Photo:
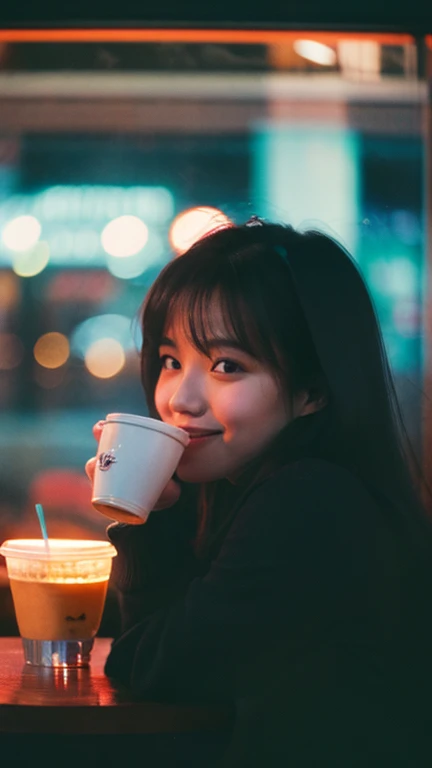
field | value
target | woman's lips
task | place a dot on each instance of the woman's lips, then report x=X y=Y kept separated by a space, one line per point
x=198 y=439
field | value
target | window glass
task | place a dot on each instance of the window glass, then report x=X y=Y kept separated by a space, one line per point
x=116 y=153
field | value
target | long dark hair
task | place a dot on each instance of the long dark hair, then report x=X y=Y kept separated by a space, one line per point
x=297 y=302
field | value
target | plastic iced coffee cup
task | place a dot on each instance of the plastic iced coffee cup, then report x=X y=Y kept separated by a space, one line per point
x=136 y=458
x=59 y=595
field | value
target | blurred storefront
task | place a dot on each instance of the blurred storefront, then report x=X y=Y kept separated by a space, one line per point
x=116 y=153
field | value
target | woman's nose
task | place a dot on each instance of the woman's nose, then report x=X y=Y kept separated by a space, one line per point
x=189 y=397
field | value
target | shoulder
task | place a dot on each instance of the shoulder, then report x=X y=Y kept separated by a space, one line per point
x=312 y=476
x=310 y=491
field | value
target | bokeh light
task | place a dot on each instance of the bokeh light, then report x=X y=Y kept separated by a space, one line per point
x=124 y=236
x=316 y=52
x=398 y=277
x=32 y=262
x=11 y=351
x=51 y=350
x=105 y=358
x=129 y=267
x=21 y=233
x=193 y=224
x=117 y=327
x=9 y=290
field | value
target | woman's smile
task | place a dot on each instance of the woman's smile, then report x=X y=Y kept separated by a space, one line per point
x=198 y=436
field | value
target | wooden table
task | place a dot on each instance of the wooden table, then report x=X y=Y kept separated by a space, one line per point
x=35 y=699
x=70 y=705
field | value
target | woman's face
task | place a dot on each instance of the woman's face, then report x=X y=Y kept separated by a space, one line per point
x=231 y=404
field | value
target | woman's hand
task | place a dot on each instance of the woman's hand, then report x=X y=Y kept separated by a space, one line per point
x=91 y=463
x=169 y=495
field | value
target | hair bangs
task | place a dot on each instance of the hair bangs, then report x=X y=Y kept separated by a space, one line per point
x=210 y=298
x=222 y=312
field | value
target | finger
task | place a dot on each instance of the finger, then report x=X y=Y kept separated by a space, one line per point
x=90 y=468
x=97 y=429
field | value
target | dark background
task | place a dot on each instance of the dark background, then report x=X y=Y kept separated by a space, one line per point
x=414 y=16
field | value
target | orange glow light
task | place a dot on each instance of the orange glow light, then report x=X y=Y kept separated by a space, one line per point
x=232 y=36
x=9 y=290
x=51 y=350
x=193 y=224
x=11 y=351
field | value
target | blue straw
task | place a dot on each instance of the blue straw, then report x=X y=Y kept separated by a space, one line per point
x=41 y=517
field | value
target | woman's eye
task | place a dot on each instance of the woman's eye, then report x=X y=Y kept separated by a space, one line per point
x=227 y=366
x=169 y=363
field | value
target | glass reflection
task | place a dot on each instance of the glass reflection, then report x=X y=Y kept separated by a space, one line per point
x=55 y=686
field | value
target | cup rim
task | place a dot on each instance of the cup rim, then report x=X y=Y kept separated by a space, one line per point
x=59 y=549
x=154 y=424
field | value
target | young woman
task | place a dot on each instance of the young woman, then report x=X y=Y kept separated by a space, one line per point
x=288 y=567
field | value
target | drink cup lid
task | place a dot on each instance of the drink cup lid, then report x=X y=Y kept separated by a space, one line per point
x=59 y=549
x=148 y=423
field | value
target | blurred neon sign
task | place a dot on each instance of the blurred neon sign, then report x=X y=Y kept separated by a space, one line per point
x=72 y=218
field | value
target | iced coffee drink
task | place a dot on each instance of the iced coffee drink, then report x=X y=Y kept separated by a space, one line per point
x=59 y=594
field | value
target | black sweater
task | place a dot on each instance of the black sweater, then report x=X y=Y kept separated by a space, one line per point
x=315 y=611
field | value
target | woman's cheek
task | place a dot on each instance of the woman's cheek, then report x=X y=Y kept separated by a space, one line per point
x=229 y=405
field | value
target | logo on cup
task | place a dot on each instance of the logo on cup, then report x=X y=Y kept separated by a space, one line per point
x=105 y=460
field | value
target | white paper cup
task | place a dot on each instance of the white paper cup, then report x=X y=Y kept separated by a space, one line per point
x=136 y=458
